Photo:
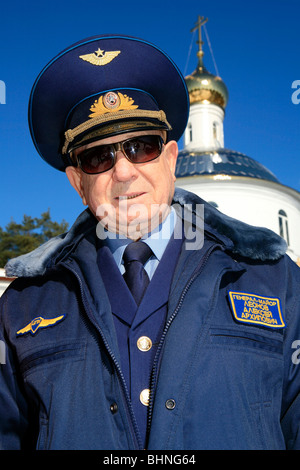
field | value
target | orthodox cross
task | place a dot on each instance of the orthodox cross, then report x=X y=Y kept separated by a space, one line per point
x=201 y=21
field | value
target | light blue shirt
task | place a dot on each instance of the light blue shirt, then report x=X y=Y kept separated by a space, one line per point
x=157 y=240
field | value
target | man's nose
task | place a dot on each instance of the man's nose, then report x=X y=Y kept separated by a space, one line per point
x=124 y=170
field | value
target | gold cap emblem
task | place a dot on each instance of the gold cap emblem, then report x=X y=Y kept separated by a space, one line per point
x=100 y=57
x=111 y=102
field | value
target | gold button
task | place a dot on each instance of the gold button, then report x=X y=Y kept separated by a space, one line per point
x=144 y=396
x=144 y=343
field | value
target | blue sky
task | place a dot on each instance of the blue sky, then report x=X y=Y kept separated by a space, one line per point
x=255 y=46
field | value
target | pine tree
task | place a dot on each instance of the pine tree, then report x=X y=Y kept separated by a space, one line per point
x=18 y=239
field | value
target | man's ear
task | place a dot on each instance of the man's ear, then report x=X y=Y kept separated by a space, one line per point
x=74 y=175
x=171 y=150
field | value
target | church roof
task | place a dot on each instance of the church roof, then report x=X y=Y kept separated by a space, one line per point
x=220 y=162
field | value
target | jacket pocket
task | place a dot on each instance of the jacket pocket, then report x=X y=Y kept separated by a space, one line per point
x=240 y=338
x=65 y=352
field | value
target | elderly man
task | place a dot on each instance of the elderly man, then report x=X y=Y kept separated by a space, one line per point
x=147 y=325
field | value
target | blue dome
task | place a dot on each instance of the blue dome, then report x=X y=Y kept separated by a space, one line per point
x=220 y=161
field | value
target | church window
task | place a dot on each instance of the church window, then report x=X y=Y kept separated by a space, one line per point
x=283 y=226
x=190 y=132
x=215 y=130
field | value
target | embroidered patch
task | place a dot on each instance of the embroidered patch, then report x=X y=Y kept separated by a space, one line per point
x=252 y=308
x=39 y=322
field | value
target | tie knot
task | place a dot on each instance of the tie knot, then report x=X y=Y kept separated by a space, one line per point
x=137 y=251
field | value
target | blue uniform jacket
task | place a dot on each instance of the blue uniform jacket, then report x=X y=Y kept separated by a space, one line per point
x=226 y=374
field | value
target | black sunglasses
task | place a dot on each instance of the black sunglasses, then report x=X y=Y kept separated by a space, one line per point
x=101 y=158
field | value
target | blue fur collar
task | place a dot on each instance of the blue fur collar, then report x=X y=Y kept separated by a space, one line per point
x=239 y=238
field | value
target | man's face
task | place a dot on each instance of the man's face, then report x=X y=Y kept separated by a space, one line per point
x=129 y=198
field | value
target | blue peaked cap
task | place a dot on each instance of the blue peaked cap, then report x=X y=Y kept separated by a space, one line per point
x=103 y=86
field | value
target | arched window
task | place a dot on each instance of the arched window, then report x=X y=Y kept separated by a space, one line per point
x=283 y=226
x=190 y=128
x=215 y=130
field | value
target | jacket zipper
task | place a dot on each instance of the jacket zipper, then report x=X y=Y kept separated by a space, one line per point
x=154 y=374
x=129 y=410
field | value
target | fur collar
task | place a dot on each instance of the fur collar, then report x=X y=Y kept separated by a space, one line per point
x=239 y=238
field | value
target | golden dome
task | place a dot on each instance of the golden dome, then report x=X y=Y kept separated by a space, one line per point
x=204 y=87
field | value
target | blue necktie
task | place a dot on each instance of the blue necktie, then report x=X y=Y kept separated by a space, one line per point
x=135 y=256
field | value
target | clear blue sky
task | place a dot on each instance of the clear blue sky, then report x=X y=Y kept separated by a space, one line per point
x=256 y=47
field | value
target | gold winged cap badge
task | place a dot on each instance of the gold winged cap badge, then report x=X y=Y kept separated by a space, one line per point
x=100 y=57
